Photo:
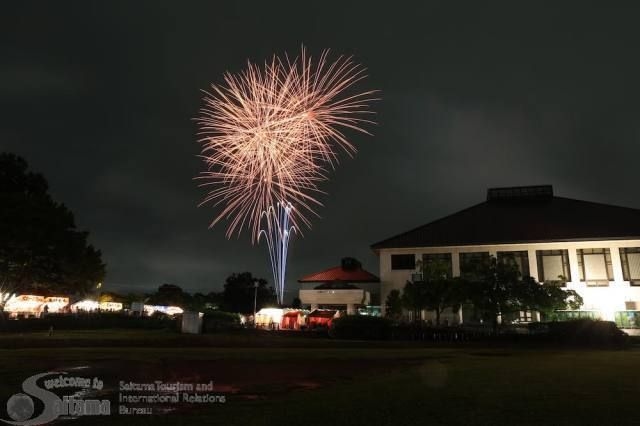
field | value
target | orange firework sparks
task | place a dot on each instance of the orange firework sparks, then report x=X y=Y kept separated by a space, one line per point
x=270 y=133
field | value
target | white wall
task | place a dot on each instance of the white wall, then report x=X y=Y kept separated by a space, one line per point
x=607 y=300
x=334 y=297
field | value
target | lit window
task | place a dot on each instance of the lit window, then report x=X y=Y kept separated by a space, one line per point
x=403 y=261
x=519 y=258
x=471 y=264
x=553 y=266
x=630 y=258
x=525 y=316
x=595 y=266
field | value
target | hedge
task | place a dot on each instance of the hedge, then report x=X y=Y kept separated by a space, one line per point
x=361 y=327
x=585 y=331
x=219 y=321
x=90 y=321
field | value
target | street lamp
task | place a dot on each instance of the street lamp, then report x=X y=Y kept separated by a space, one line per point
x=255 y=301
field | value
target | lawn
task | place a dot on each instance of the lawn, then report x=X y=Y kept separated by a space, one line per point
x=269 y=379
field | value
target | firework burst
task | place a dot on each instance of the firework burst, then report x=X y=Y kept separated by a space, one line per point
x=270 y=134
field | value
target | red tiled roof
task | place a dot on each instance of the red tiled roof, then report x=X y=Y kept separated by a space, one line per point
x=357 y=275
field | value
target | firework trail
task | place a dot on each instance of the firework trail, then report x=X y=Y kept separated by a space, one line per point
x=277 y=232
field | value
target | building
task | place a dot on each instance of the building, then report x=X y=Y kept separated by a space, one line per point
x=589 y=247
x=337 y=289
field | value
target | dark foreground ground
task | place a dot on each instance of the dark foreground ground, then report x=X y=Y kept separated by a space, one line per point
x=290 y=380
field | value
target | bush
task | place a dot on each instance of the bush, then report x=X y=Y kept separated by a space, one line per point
x=361 y=327
x=89 y=321
x=587 y=332
x=219 y=320
x=424 y=332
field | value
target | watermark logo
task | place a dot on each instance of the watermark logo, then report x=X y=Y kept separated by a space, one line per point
x=21 y=406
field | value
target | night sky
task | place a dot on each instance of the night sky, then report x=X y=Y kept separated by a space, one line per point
x=100 y=96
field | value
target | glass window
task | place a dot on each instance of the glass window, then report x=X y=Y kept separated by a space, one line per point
x=572 y=315
x=403 y=261
x=443 y=260
x=628 y=319
x=519 y=258
x=525 y=316
x=472 y=263
x=595 y=266
x=553 y=266
x=630 y=258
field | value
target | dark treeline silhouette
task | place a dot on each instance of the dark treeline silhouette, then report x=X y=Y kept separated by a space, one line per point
x=41 y=250
x=239 y=295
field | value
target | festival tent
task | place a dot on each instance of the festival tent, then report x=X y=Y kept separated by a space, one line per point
x=26 y=305
x=293 y=319
x=85 y=306
x=269 y=317
x=92 y=306
x=321 y=318
x=54 y=305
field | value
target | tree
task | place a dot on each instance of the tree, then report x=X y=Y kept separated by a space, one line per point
x=215 y=300
x=107 y=296
x=442 y=294
x=197 y=302
x=393 y=304
x=498 y=289
x=414 y=298
x=297 y=303
x=548 y=298
x=239 y=291
x=169 y=295
x=440 y=291
x=200 y=302
x=41 y=250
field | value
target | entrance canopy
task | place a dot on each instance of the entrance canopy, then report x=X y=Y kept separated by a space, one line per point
x=349 y=271
x=336 y=286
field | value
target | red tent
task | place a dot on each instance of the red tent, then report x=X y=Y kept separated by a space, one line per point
x=291 y=320
x=320 y=318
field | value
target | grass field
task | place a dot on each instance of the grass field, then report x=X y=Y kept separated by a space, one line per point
x=275 y=380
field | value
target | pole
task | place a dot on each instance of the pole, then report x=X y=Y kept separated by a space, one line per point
x=255 y=301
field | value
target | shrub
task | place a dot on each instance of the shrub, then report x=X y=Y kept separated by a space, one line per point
x=361 y=327
x=219 y=320
x=89 y=321
x=424 y=332
x=587 y=332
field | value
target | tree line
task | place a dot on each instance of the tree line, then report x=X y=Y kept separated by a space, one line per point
x=240 y=292
x=42 y=252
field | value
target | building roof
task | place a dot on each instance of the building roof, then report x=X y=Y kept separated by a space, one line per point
x=523 y=215
x=350 y=271
x=322 y=313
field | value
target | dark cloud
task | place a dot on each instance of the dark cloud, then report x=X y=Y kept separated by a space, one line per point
x=100 y=97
